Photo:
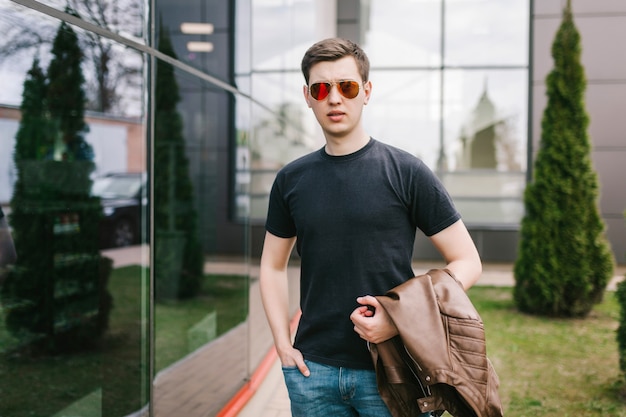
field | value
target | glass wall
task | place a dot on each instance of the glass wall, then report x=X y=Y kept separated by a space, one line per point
x=449 y=86
x=139 y=144
x=131 y=290
x=281 y=128
x=74 y=311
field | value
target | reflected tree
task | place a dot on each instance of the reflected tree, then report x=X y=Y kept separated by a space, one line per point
x=179 y=258
x=66 y=97
x=56 y=297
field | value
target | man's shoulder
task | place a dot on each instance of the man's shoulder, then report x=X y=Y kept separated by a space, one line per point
x=301 y=162
x=396 y=154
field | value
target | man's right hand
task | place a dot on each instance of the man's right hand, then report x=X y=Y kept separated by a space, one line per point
x=293 y=357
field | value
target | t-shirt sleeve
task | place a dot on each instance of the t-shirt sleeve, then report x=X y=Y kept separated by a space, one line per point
x=432 y=207
x=279 y=220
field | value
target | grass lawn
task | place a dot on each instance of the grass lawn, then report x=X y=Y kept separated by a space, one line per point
x=547 y=367
x=553 y=367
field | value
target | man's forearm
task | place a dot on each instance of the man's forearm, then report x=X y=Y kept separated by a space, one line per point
x=275 y=297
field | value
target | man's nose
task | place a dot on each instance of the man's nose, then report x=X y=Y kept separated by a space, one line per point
x=334 y=96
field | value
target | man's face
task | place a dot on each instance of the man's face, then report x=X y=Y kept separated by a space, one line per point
x=337 y=115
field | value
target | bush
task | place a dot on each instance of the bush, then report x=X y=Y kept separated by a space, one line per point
x=621 y=330
x=564 y=261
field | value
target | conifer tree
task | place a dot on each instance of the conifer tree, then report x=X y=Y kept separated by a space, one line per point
x=179 y=253
x=564 y=261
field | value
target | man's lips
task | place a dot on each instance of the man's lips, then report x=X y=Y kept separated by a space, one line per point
x=335 y=116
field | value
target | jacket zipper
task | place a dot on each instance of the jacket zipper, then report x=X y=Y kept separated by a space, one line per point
x=425 y=390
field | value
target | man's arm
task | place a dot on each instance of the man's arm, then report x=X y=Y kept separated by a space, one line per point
x=456 y=246
x=461 y=256
x=273 y=282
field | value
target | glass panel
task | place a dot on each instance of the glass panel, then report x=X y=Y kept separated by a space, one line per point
x=404 y=111
x=74 y=306
x=282 y=131
x=198 y=32
x=282 y=30
x=109 y=68
x=483 y=101
x=201 y=346
x=126 y=18
x=486 y=32
x=485 y=117
x=404 y=33
x=282 y=127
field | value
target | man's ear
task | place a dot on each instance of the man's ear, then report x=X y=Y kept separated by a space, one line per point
x=367 y=88
x=307 y=97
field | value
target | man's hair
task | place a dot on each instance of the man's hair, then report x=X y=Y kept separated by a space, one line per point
x=333 y=49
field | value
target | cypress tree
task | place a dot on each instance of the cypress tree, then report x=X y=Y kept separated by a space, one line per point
x=179 y=258
x=564 y=261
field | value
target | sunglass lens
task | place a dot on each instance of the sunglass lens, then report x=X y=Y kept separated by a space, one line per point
x=349 y=89
x=319 y=91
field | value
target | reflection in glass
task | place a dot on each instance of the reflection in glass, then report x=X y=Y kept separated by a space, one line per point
x=113 y=73
x=404 y=111
x=403 y=33
x=281 y=33
x=486 y=32
x=72 y=320
x=201 y=344
x=485 y=106
x=485 y=131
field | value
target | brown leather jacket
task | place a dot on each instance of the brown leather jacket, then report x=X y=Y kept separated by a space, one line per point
x=439 y=360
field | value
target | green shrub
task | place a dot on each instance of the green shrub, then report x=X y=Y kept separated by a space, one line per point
x=564 y=261
x=621 y=330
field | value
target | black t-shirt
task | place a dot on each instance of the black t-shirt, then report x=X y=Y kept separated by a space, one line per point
x=1 y=213
x=355 y=218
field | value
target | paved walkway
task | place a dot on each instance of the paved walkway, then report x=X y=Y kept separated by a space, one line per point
x=184 y=389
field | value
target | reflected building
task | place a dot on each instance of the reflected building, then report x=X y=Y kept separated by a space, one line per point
x=487 y=140
x=479 y=138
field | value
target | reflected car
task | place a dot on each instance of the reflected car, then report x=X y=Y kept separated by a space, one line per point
x=123 y=195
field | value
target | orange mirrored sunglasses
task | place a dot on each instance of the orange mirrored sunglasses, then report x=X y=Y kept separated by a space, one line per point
x=347 y=88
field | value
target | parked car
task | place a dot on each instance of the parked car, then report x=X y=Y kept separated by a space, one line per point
x=123 y=197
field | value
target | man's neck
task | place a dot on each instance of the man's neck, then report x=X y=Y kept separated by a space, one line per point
x=346 y=145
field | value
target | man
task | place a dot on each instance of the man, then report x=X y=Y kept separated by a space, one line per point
x=7 y=249
x=352 y=209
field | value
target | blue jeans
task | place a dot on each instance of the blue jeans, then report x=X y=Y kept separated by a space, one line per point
x=337 y=392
